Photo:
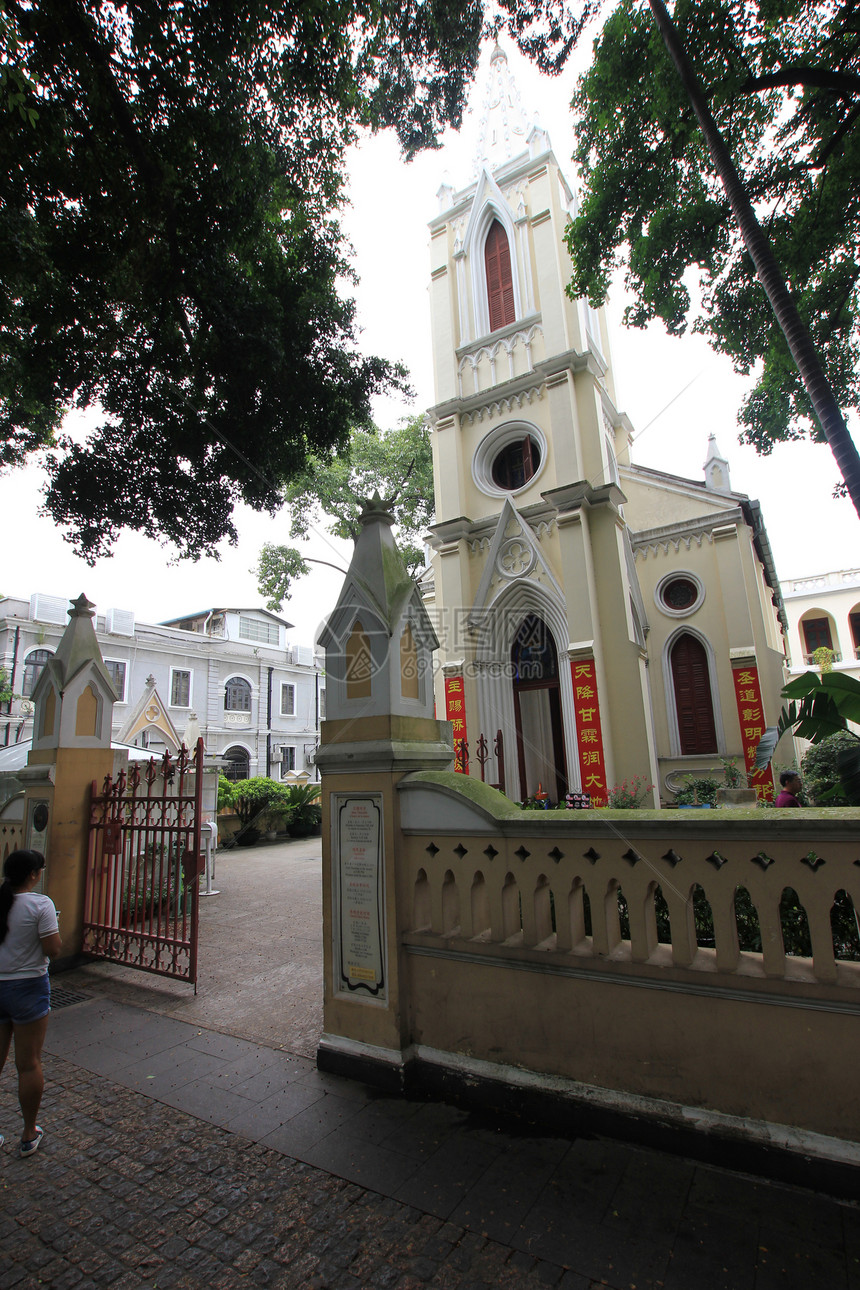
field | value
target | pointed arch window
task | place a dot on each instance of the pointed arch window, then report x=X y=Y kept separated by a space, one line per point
x=694 y=706
x=500 y=283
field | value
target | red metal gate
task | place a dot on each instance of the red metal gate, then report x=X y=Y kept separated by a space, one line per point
x=142 y=903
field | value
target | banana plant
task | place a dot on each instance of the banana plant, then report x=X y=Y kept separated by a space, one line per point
x=819 y=705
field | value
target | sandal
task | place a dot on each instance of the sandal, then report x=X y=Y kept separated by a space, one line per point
x=31 y=1146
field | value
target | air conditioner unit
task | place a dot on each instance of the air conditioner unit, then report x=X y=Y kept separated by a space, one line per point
x=277 y=755
x=119 y=622
x=303 y=655
x=310 y=754
x=49 y=609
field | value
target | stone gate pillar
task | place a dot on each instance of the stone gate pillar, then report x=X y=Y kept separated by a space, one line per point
x=74 y=699
x=379 y=647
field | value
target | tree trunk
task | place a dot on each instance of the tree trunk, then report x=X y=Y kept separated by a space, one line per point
x=770 y=276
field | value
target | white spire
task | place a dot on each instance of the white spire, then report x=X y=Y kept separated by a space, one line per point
x=503 y=129
x=716 y=468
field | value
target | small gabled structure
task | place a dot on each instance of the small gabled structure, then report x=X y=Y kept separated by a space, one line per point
x=74 y=698
x=74 y=694
x=378 y=640
x=150 y=714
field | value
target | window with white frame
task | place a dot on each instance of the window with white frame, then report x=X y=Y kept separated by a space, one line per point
x=237 y=695
x=33 y=664
x=116 y=669
x=180 y=687
x=288 y=699
x=288 y=760
x=322 y=704
x=255 y=629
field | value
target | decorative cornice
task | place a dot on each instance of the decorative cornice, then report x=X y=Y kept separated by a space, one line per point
x=573 y=497
x=673 y=536
x=507 y=395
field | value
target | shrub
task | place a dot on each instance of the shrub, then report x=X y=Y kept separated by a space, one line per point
x=733 y=776
x=629 y=794
x=253 y=799
x=697 y=791
x=302 y=803
x=820 y=769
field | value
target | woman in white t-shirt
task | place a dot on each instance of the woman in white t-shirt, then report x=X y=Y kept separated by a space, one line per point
x=29 y=937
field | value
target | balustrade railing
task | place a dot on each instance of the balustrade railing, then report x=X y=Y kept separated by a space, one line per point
x=743 y=899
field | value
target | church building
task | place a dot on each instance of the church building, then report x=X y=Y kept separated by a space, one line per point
x=607 y=620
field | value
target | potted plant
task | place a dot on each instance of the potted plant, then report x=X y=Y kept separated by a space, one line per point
x=302 y=800
x=736 y=791
x=698 y=791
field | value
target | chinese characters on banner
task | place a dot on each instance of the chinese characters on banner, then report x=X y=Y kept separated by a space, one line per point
x=589 y=738
x=455 y=712
x=751 y=718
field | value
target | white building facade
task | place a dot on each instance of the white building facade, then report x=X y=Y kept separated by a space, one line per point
x=824 y=611
x=228 y=674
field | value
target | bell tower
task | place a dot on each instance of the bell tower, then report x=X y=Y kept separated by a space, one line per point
x=537 y=604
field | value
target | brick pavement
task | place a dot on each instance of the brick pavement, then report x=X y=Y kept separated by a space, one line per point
x=129 y=1193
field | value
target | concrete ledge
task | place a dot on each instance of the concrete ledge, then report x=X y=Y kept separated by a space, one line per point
x=381 y=1068
x=564 y=1109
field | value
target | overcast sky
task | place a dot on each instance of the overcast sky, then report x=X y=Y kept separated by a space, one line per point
x=391 y=205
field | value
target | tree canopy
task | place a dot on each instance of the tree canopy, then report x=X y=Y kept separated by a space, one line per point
x=170 y=177
x=783 y=83
x=397 y=464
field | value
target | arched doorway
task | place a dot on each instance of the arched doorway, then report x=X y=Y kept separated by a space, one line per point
x=537 y=709
x=237 y=763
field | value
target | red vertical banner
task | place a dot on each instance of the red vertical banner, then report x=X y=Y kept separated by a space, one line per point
x=589 y=737
x=455 y=712
x=751 y=718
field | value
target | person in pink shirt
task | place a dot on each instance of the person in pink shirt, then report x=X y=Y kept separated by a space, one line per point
x=791 y=785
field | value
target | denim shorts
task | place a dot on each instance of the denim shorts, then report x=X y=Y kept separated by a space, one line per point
x=26 y=999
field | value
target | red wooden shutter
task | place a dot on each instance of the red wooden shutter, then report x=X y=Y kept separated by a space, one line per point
x=500 y=285
x=816 y=632
x=693 y=704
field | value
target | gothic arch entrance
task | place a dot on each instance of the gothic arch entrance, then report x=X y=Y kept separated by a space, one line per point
x=537 y=710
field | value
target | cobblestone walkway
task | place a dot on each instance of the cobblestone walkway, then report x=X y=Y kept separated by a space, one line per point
x=131 y=1194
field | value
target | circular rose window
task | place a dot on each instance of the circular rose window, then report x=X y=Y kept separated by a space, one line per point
x=509 y=458
x=679 y=594
x=516 y=464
